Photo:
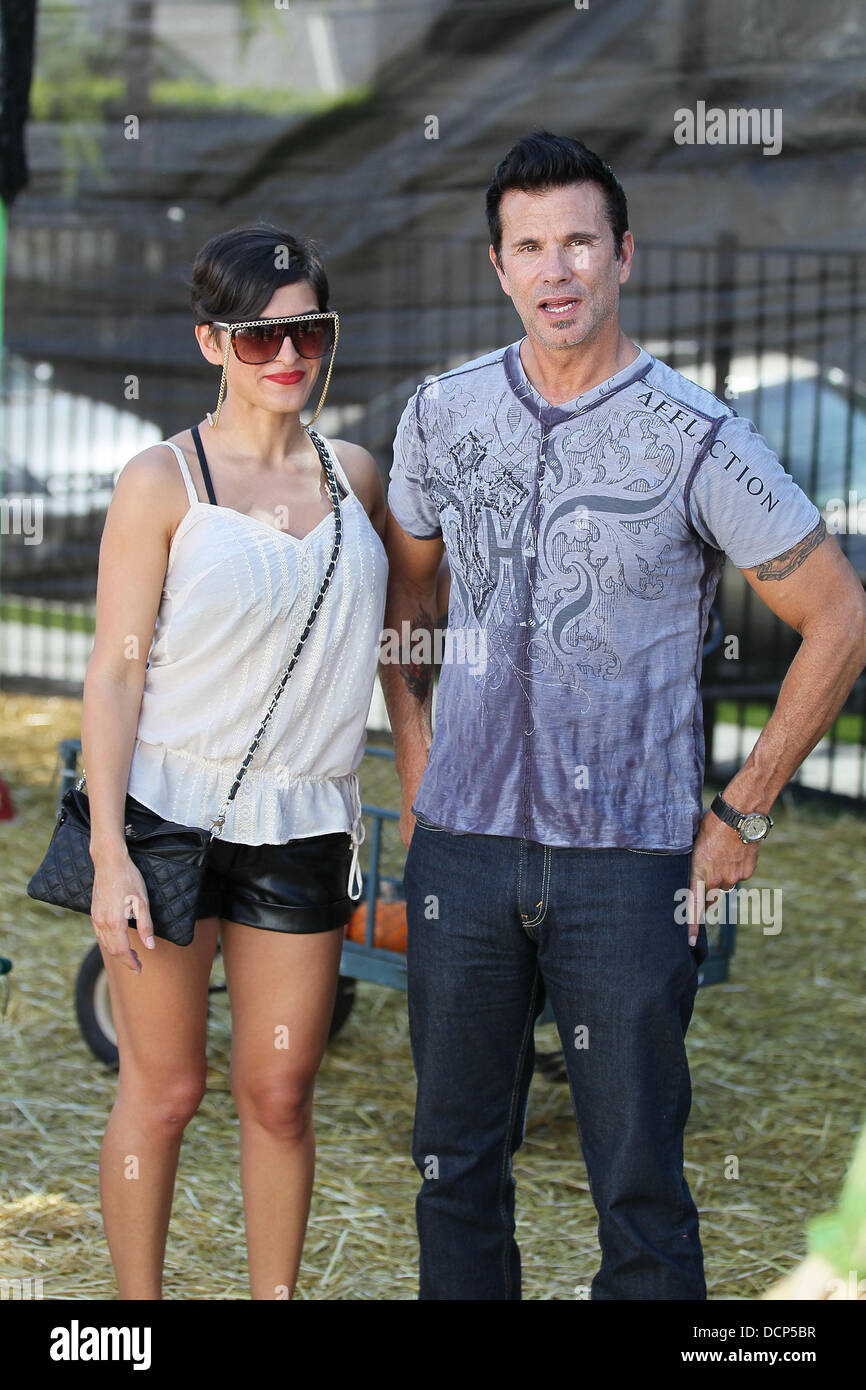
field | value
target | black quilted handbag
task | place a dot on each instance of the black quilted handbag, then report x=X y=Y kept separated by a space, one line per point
x=170 y=858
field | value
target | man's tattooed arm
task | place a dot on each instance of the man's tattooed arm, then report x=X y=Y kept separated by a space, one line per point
x=821 y=597
x=418 y=675
x=407 y=675
x=783 y=565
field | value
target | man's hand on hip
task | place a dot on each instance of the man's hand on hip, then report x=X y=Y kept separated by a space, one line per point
x=720 y=860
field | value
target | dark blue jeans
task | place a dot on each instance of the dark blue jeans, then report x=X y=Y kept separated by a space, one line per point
x=493 y=924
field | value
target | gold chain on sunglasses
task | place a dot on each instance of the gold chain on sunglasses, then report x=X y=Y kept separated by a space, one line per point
x=259 y=323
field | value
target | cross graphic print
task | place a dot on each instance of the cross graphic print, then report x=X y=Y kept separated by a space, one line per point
x=469 y=489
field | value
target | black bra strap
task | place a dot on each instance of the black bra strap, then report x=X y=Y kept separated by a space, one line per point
x=196 y=437
x=205 y=471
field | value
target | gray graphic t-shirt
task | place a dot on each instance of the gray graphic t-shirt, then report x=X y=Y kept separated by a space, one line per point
x=585 y=543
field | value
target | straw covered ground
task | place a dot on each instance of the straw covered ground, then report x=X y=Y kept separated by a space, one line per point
x=776 y=1057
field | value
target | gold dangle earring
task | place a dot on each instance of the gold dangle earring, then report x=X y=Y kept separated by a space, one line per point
x=213 y=419
x=330 y=369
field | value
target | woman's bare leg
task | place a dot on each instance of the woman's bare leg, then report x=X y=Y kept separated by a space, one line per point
x=282 y=989
x=160 y=1016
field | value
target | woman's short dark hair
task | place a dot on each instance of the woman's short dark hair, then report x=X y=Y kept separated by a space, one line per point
x=236 y=273
x=541 y=161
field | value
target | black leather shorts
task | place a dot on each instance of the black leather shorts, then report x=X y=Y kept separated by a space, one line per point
x=296 y=887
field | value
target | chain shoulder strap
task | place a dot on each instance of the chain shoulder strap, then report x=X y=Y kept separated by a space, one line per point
x=217 y=823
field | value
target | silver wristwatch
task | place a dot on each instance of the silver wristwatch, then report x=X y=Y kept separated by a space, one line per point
x=751 y=826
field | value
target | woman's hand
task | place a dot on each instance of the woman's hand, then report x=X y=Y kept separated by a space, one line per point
x=118 y=894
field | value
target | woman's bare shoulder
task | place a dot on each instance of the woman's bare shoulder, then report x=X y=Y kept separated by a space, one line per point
x=155 y=464
x=151 y=485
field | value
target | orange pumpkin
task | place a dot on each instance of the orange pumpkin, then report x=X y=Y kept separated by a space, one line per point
x=390 y=925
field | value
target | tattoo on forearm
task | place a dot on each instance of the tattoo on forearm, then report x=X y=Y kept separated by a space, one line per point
x=418 y=675
x=783 y=565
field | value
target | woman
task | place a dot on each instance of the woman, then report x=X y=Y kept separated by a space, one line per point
x=227 y=560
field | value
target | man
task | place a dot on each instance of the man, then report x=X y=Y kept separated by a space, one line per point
x=586 y=495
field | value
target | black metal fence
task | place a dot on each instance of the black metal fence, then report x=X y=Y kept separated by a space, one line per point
x=779 y=333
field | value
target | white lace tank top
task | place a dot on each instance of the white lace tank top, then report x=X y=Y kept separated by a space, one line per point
x=236 y=597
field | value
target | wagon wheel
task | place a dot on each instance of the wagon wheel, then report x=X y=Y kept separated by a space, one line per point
x=93 y=1008
x=343 y=1004
x=5 y=967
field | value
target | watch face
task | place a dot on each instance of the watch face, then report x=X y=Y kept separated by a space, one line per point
x=754 y=827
